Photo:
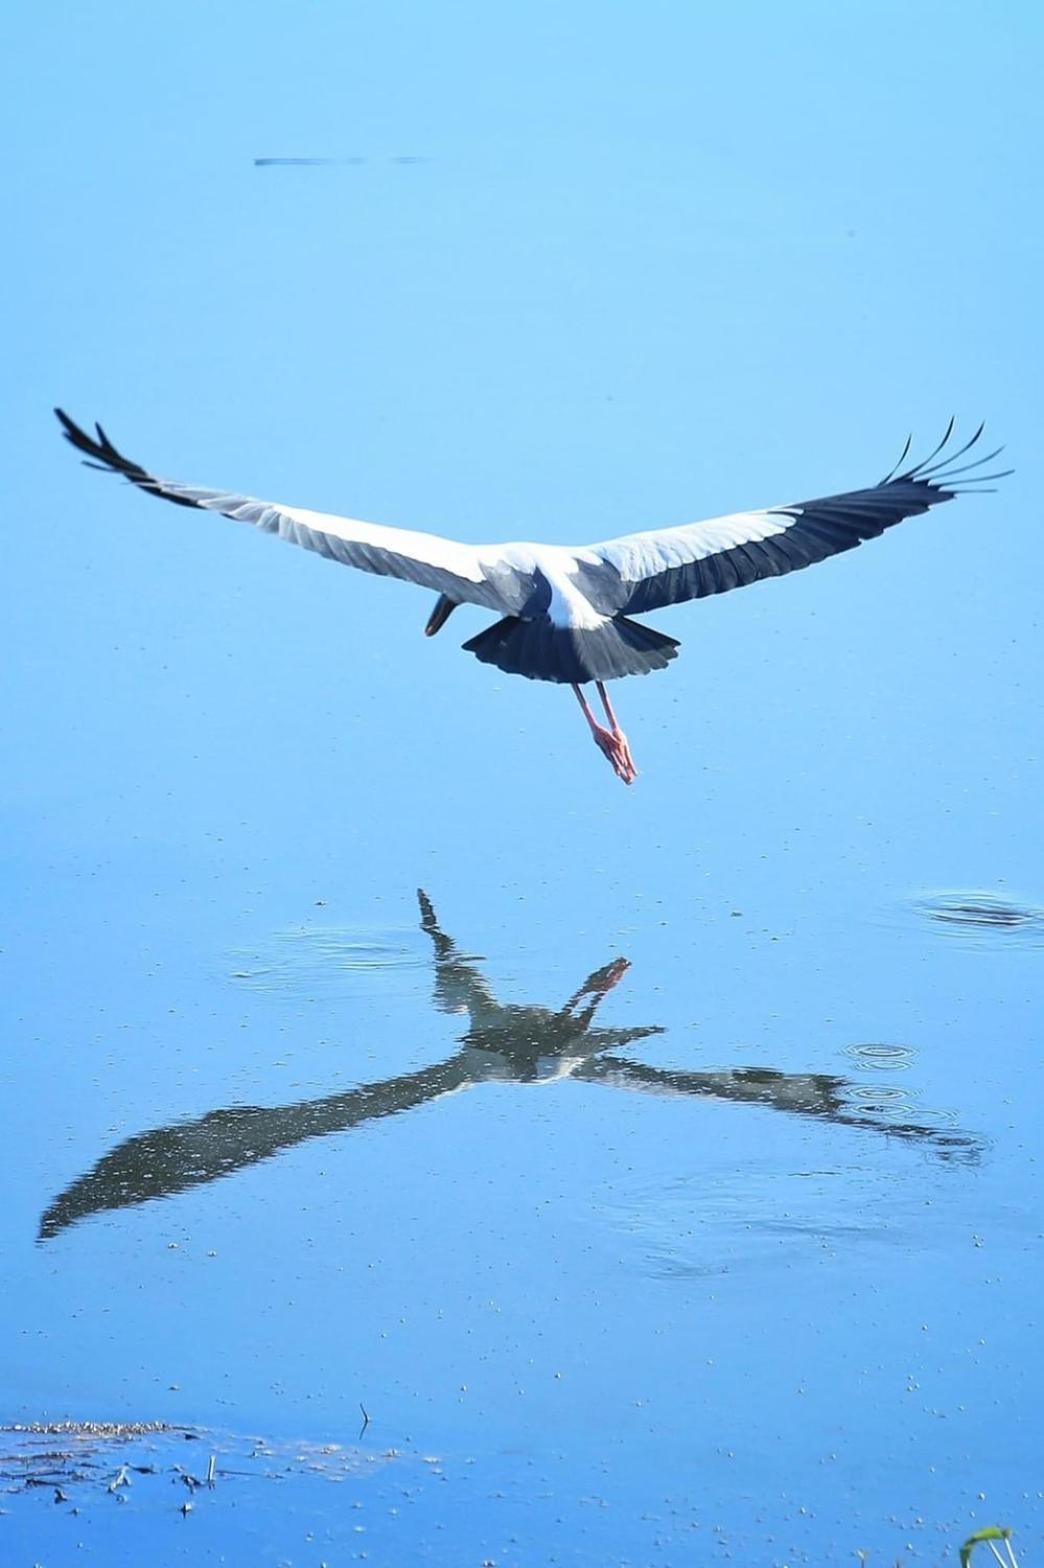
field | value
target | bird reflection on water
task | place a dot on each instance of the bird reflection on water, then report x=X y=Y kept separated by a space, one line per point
x=503 y=1042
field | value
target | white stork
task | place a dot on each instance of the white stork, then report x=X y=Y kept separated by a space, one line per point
x=566 y=609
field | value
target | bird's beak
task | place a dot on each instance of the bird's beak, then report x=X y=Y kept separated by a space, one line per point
x=444 y=608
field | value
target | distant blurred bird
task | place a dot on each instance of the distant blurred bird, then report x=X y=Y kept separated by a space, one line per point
x=566 y=608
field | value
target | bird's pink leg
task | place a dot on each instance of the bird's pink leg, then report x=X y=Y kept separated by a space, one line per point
x=614 y=725
x=612 y=743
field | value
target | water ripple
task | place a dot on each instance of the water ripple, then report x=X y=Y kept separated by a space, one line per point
x=984 y=916
x=306 y=961
x=881 y=1058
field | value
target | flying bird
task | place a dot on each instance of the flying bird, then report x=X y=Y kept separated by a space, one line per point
x=567 y=610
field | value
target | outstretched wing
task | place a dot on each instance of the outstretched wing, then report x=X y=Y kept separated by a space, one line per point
x=646 y=571
x=442 y=564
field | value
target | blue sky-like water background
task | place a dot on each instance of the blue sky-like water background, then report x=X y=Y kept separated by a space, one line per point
x=746 y=1260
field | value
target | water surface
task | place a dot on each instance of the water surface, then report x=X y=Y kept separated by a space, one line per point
x=663 y=1181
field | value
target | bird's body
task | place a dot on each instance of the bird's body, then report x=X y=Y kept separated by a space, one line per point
x=566 y=611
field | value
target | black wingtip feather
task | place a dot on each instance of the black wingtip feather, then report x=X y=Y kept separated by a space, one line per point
x=924 y=471
x=72 y=432
x=968 y=486
x=935 y=475
x=900 y=461
x=965 y=468
x=100 y=449
x=917 y=467
x=101 y=454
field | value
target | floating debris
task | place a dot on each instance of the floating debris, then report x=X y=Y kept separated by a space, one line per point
x=110 y=1431
x=77 y=1460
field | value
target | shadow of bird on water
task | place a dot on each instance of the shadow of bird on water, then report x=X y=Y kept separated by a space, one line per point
x=503 y=1042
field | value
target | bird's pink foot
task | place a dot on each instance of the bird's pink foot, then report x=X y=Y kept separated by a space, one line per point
x=613 y=744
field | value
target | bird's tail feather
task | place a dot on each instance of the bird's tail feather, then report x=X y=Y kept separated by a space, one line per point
x=544 y=652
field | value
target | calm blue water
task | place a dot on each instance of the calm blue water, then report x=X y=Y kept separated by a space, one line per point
x=664 y=1182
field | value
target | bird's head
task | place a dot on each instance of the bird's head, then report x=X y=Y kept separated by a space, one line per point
x=444 y=608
